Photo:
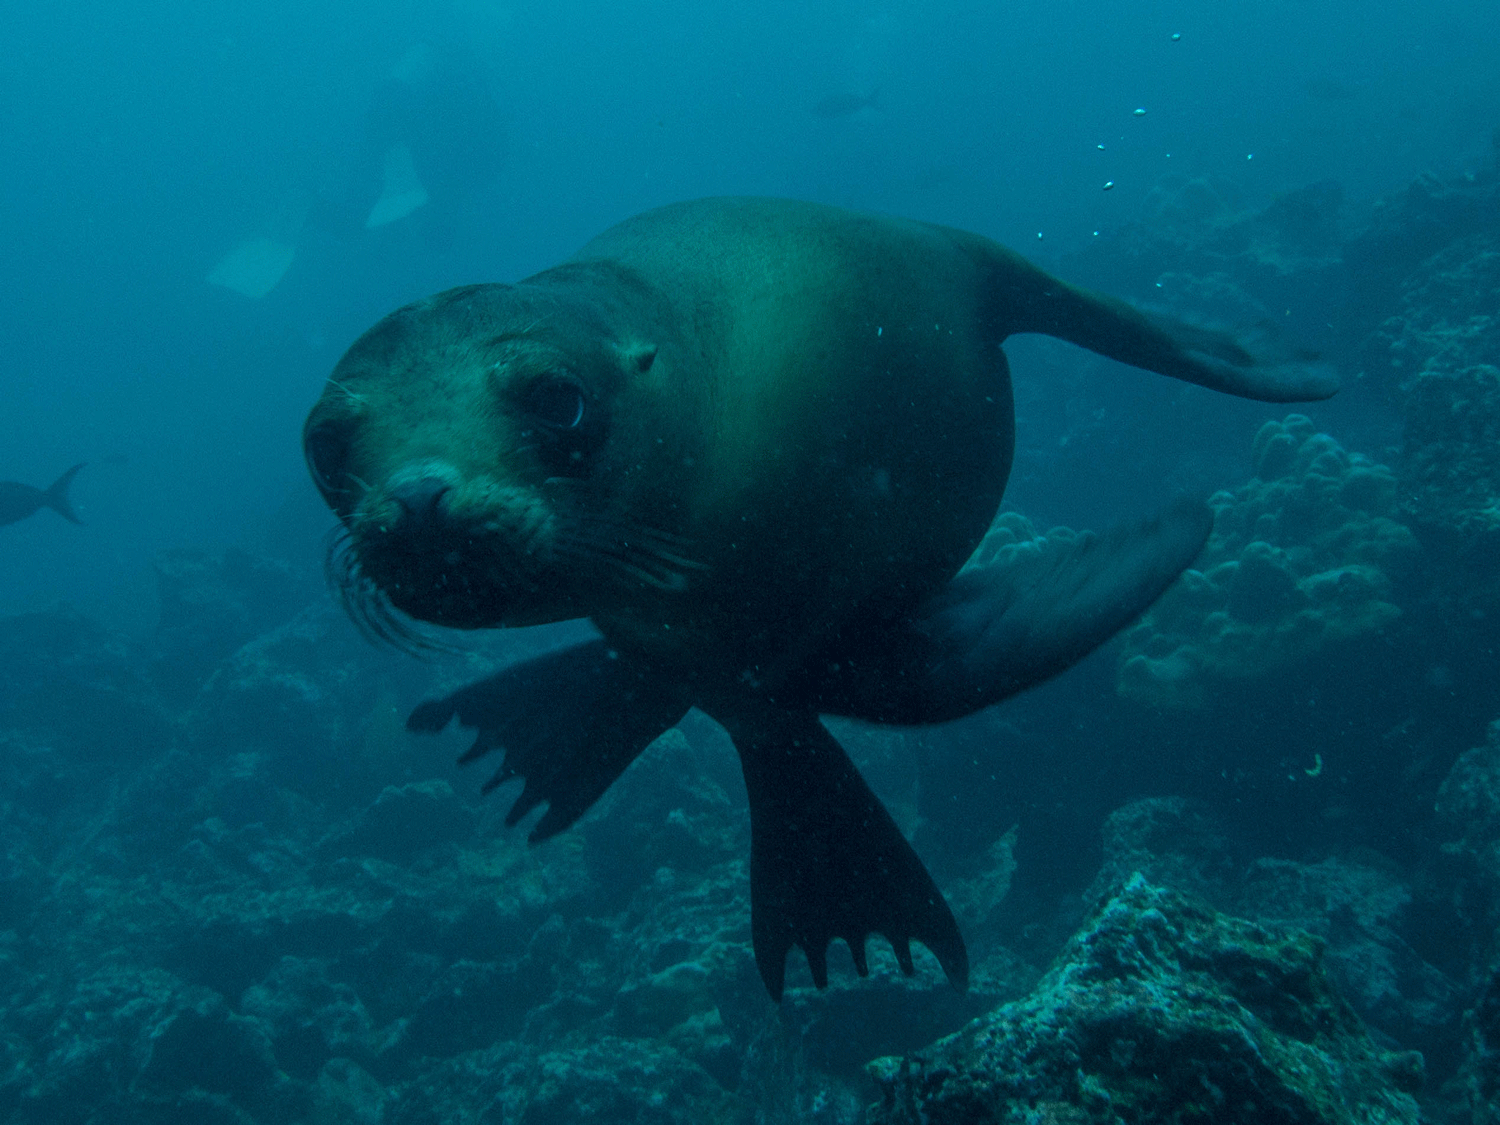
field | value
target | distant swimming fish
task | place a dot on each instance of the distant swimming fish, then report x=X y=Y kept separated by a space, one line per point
x=845 y=105
x=17 y=501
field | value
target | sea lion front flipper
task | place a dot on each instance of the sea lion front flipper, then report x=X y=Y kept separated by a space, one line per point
x=1003 y=626
x=568 y=722
x=826 y=859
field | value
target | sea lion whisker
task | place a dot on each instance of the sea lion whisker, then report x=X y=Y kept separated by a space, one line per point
x=352 y=396
x=367 y=605
x=627 y=552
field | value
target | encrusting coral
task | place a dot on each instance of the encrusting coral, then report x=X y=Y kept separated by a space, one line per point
x=1305 y=555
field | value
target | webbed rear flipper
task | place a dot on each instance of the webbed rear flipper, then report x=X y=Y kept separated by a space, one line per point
x=1022 y=298
x=568 y=722
x=826 y=859
x=1001 y=627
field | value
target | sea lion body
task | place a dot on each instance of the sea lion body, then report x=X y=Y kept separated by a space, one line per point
x=840 y=435
x=754 y=441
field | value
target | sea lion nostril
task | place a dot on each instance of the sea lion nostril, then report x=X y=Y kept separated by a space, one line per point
x=421 y=499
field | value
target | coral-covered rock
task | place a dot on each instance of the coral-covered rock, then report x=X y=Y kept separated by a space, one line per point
x=213 y=603
x=1359 y=907
x=133 y=1044
x=587 y=1078
x=73 y=684
x=1450 y=480
x=1468 y=807
x=1447 y=320
x=1479 y=1079
x=1161 y=1010
x=1200 y=249
x=1306 y=555
x=1469 y=801
x=402 y=823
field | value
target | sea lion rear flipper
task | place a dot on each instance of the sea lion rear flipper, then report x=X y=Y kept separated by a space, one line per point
x=826 y=859
x=1022 y=298
x=568 y=722
x=1001 y=627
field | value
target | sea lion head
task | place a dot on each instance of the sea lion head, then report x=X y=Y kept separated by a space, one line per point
x=471 y=444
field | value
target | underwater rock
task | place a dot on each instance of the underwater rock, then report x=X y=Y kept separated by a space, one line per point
x=1308 y=554
x=1479 y=1079
x=140 y=1045
x=1359 y=909
x=309 y=703
x=1450 y=464
x=204 y=1046
x=1468 y=809
x=210 y=604
x=1200 y=230
x=1160 y=1009
x=404 y=822
x=1445 y=320
x=583 y=1078
x=1438 y=357
x=1411 y=226
x=345 y=1094
x=1468 y=803
x=1450 y=484
x=309 y=1018
x=1171 y=842
x=71 y=684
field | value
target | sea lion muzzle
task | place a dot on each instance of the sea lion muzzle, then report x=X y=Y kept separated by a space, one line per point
x=420 y=505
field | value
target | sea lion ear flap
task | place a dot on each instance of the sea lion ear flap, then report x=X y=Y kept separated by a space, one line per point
x=638 y=357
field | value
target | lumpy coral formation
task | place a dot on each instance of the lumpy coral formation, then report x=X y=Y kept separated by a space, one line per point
x=1232 y=1021
x=1307 y=554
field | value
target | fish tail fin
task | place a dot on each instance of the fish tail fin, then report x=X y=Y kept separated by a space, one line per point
x=56 y=497
x=1023 y=298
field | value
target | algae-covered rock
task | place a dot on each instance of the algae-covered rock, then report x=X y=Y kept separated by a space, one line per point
x=1468 y=808
x=1447 y=319
x=403 y=822
x=1306 y=555
x=1160 y=1009
x=587 y=1078
x=142 y=1045
x=1450 y=458
x=1479 y=1078
x=1442 y=350
x=1357 y=904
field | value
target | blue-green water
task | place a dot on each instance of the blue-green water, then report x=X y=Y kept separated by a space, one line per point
x=212 y=907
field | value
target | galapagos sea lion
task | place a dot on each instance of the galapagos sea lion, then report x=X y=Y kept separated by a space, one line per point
x=17 y=500
x=754 y=441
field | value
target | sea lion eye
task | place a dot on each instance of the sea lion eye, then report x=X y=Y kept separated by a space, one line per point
x=556 y=401
x=327 y=453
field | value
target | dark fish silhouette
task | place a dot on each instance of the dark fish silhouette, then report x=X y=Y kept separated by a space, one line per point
x=845 y=105
x=17 y=500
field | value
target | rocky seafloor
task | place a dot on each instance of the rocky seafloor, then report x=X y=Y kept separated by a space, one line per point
x=1243 y=865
